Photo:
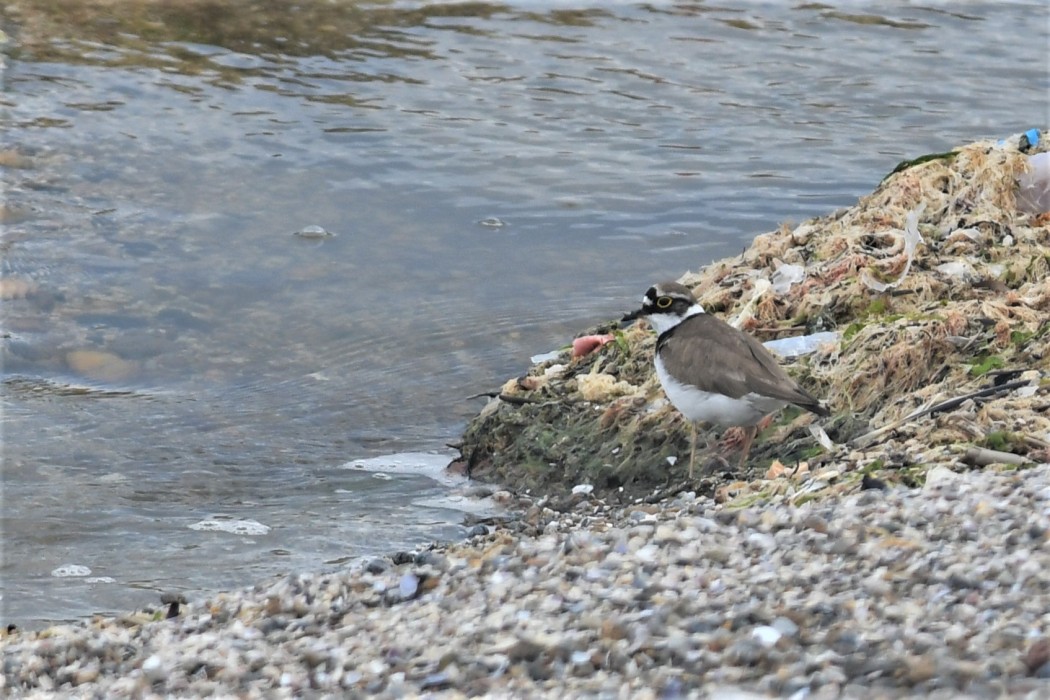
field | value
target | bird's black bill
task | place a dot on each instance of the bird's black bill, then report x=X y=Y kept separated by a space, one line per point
x=633 y=316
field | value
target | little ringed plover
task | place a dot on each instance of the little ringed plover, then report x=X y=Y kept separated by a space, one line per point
x=712 y=372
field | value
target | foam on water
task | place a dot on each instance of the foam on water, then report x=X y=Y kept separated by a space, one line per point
x=429 y=464
x=71 y=571
x=236 y=527
x=432 y=466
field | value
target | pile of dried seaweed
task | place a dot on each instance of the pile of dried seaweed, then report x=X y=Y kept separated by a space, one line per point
x=938 y=288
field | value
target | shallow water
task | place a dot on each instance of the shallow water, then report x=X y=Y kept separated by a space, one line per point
x=496 y=177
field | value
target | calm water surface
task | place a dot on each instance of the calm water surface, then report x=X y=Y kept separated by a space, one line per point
x=185 y=380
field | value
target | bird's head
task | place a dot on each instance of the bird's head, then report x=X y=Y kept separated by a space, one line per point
x=666 y=305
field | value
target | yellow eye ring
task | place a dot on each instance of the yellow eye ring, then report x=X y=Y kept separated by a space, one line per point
x=663 y=302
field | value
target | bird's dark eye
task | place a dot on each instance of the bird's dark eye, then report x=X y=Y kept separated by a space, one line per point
x=663 y=302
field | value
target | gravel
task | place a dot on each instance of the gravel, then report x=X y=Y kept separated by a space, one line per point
x=940 y=592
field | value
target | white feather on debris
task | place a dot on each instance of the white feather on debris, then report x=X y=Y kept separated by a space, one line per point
x=912 y=239
x=761 y=287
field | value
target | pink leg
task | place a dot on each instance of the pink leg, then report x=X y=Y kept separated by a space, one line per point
x=734 y=438
x=692 y=453
x=749 y=437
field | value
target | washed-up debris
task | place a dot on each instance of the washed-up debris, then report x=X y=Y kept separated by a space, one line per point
x=799 y=345
x=1033 y=187
x=587 y=344
x=821 y=436
x=921 y=351
x=545 y=357
x=786 y=276
x=1028 y=140
x=745 y=319
x=960 y=270
x=912 y=238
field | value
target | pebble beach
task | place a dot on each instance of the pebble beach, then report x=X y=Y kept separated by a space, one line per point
x=939 y=591
x=246 y=242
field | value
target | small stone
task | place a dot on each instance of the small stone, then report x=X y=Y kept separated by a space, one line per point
x=786 y=627
x=85 y=675
x=539 y=670
x=1037 y=655
x=432 y=559
x=717 y=554
x=407 y=586
x=580 y=657
x=744 y=652
x=816 y=523
x=918 y=669
x=939 y=478
x=479 y=491
x=436 y=681
x=376 y=566
x=762 y=540
x=870 y=483
x=666 y=534
x=612 y=629
x=528 y=647
x=502 y=497
x=153 y=669
x=767 y=636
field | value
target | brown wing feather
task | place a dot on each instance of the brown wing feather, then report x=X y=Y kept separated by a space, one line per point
x=722 y=353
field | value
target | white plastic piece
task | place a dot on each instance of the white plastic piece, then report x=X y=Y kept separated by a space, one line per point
x=801 y=344
x=787 y=275
x=959 y=269
x=1033 y=188
x=821 y=436
x=544 y=357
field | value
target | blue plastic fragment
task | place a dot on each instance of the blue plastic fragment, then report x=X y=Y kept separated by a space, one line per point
x=1027 y=141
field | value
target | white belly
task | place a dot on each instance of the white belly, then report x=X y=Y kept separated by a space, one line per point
x=721 y=410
